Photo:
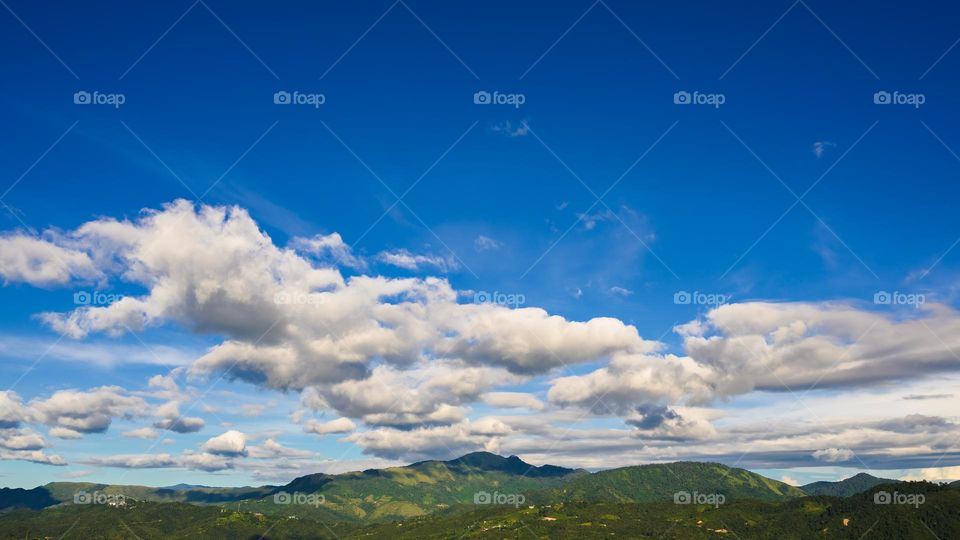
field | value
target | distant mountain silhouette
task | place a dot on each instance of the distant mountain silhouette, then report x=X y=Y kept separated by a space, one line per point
x=857 y=483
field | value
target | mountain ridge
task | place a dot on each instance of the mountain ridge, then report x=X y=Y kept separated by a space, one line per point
x=853 y=485
x=430 y=486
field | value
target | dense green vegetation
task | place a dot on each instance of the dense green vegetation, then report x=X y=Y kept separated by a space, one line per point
x=650 y=483
x=436 y=499
x=803 y=518
x=844 y=488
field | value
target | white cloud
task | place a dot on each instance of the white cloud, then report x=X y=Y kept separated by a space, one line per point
x=170 y=419
x=134 y=461
x=934 y=474
x=229 y=443
x=12 y=410
x=485 y=243
x=507 y=128
x=430 y=442
x=271 y=449
x=64 y=433
x=141 y=433
x=340 y=425
x=212 y=270
x=21 y=439
x=833 y=455
x=33 y=456
x=42 y=262
x=508 y=400
x=87 y=411
x=620 y=291
x=409 y=261
x=329 y=248
x=820 y=147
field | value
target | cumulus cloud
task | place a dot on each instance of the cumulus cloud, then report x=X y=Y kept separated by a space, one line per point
x=286 y=318
x=230 y=443
x=170 y=419
x=89 y=411
x=663 y=423
x=12 y=410
x=212 y=270
x=934 y=474
x=21 y=439
x=64 y=433
x=513 y=400
x=329 y=248
x=340 y=425
x=43 y=262
x=431 y=442
x=430 y=394
x=740 y=348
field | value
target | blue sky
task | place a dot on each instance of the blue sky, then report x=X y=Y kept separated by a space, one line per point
x=695 y=198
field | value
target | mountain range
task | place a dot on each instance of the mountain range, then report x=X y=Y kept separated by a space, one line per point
x=433 y=492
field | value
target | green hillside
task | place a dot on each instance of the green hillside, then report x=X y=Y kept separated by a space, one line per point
x=853 y=518
x=651 y=483
x=65 y=491
x=847 y=487
x=414 y=490
x=845 y=518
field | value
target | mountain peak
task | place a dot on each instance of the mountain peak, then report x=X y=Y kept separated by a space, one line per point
x=488 y=461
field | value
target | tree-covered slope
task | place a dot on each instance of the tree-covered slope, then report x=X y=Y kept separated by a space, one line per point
x=851 y=518
x=847 y=487
x=662 y=482
x=413 y=490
